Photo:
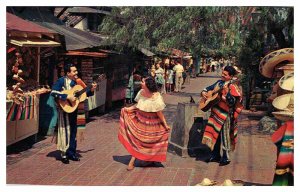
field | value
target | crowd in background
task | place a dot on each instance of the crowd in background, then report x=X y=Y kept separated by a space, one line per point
x=171 y=75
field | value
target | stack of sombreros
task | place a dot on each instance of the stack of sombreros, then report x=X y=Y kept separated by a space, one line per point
x=227 y=182
x=285 y=103
x=275 y=65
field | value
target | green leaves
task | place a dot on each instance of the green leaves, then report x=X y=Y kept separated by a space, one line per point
x=215 y=30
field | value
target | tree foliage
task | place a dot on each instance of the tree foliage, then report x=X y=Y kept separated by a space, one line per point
x=212 y=31
x=199 y=30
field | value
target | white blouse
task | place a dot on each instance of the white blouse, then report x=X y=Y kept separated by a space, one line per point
x=153 y=104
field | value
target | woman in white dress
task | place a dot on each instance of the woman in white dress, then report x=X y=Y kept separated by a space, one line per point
x=144 y=131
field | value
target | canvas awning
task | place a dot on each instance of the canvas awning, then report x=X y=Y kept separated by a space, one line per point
x=74 y=39
x=82 y=53
x=17 y=24
x=145 y=51
x=30 y=42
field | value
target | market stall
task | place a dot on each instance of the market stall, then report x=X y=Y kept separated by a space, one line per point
x=24 y=42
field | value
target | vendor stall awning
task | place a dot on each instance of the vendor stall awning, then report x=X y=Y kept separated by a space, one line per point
x=27 y=42
x=146 y=52
x=15 y=23
x=82 y=53
x=75 y=39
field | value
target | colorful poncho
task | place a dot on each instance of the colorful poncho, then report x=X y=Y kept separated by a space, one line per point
x=283 y=138
x=219 y=114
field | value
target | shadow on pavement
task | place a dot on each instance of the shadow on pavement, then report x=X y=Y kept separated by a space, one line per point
x=55 y=154
x=122 y=159
x=254 y=184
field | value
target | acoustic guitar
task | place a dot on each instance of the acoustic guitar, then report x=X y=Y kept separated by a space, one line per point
x=213 y=97
x=79 y=93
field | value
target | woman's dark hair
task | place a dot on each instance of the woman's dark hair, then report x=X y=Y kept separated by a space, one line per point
x=231 y=70
x=67 y=67
x=151 y=84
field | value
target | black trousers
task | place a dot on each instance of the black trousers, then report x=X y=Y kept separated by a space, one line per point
x=73 y=132
x=216 y=151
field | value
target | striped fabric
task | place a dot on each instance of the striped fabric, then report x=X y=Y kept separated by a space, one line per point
x=219 y=114
x=143 y=135
x=81 y=119
x=284 y=173
x=23 y=111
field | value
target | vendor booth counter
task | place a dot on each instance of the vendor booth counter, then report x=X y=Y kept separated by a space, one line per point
x=22 y=121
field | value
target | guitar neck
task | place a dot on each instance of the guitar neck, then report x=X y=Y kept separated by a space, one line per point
x=99 y=79
x=83 y=90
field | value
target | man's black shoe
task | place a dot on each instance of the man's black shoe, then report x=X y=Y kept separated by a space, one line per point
x=214 y=159
x=65 y=161
x=224 y=161
x=74 y=158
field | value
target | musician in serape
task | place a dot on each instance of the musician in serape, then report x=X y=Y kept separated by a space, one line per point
x=143 y=130
x=221 y=128
x=67 y=122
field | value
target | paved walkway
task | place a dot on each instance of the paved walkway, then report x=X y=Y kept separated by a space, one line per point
x=104 y=159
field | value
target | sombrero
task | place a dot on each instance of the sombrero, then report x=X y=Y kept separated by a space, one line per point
x=228 y=182
x=284 y=102
x=286 y=68
x=268 y=63
x=284 y=115
x=206 y=182
x=286 y=82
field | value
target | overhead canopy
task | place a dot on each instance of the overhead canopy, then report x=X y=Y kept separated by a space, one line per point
x=82 y=53
x=74 y=38
x=17 y=24
x=28 y=34
x=179 y=53
x=146 y=52
x=87 y=10
x=30 y=42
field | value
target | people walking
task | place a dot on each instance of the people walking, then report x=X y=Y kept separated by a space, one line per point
x=170 y=76
x=143 y=130
x=159 y=78
x=178 y=69
x=221 y=130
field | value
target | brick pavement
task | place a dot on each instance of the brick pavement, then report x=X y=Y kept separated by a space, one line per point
x=104 y=159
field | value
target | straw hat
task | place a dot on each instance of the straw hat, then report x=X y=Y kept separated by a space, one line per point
x=228 y=182
x=287 y=68
x=284 y=102
x=268 y=63
x=284 y=115
x=286 y=82
x=206 y=182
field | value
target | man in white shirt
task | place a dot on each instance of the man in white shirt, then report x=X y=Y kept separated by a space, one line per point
x=178 y=69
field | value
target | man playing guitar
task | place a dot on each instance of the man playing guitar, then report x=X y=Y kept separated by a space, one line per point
x=67 y=122
x=221 y=129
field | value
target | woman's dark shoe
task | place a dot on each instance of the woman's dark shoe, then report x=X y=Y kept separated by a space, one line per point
x=224 y=161
x=65 y=160
x=213 y=158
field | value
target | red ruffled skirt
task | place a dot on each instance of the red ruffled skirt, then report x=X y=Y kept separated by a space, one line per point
x=143 y=135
